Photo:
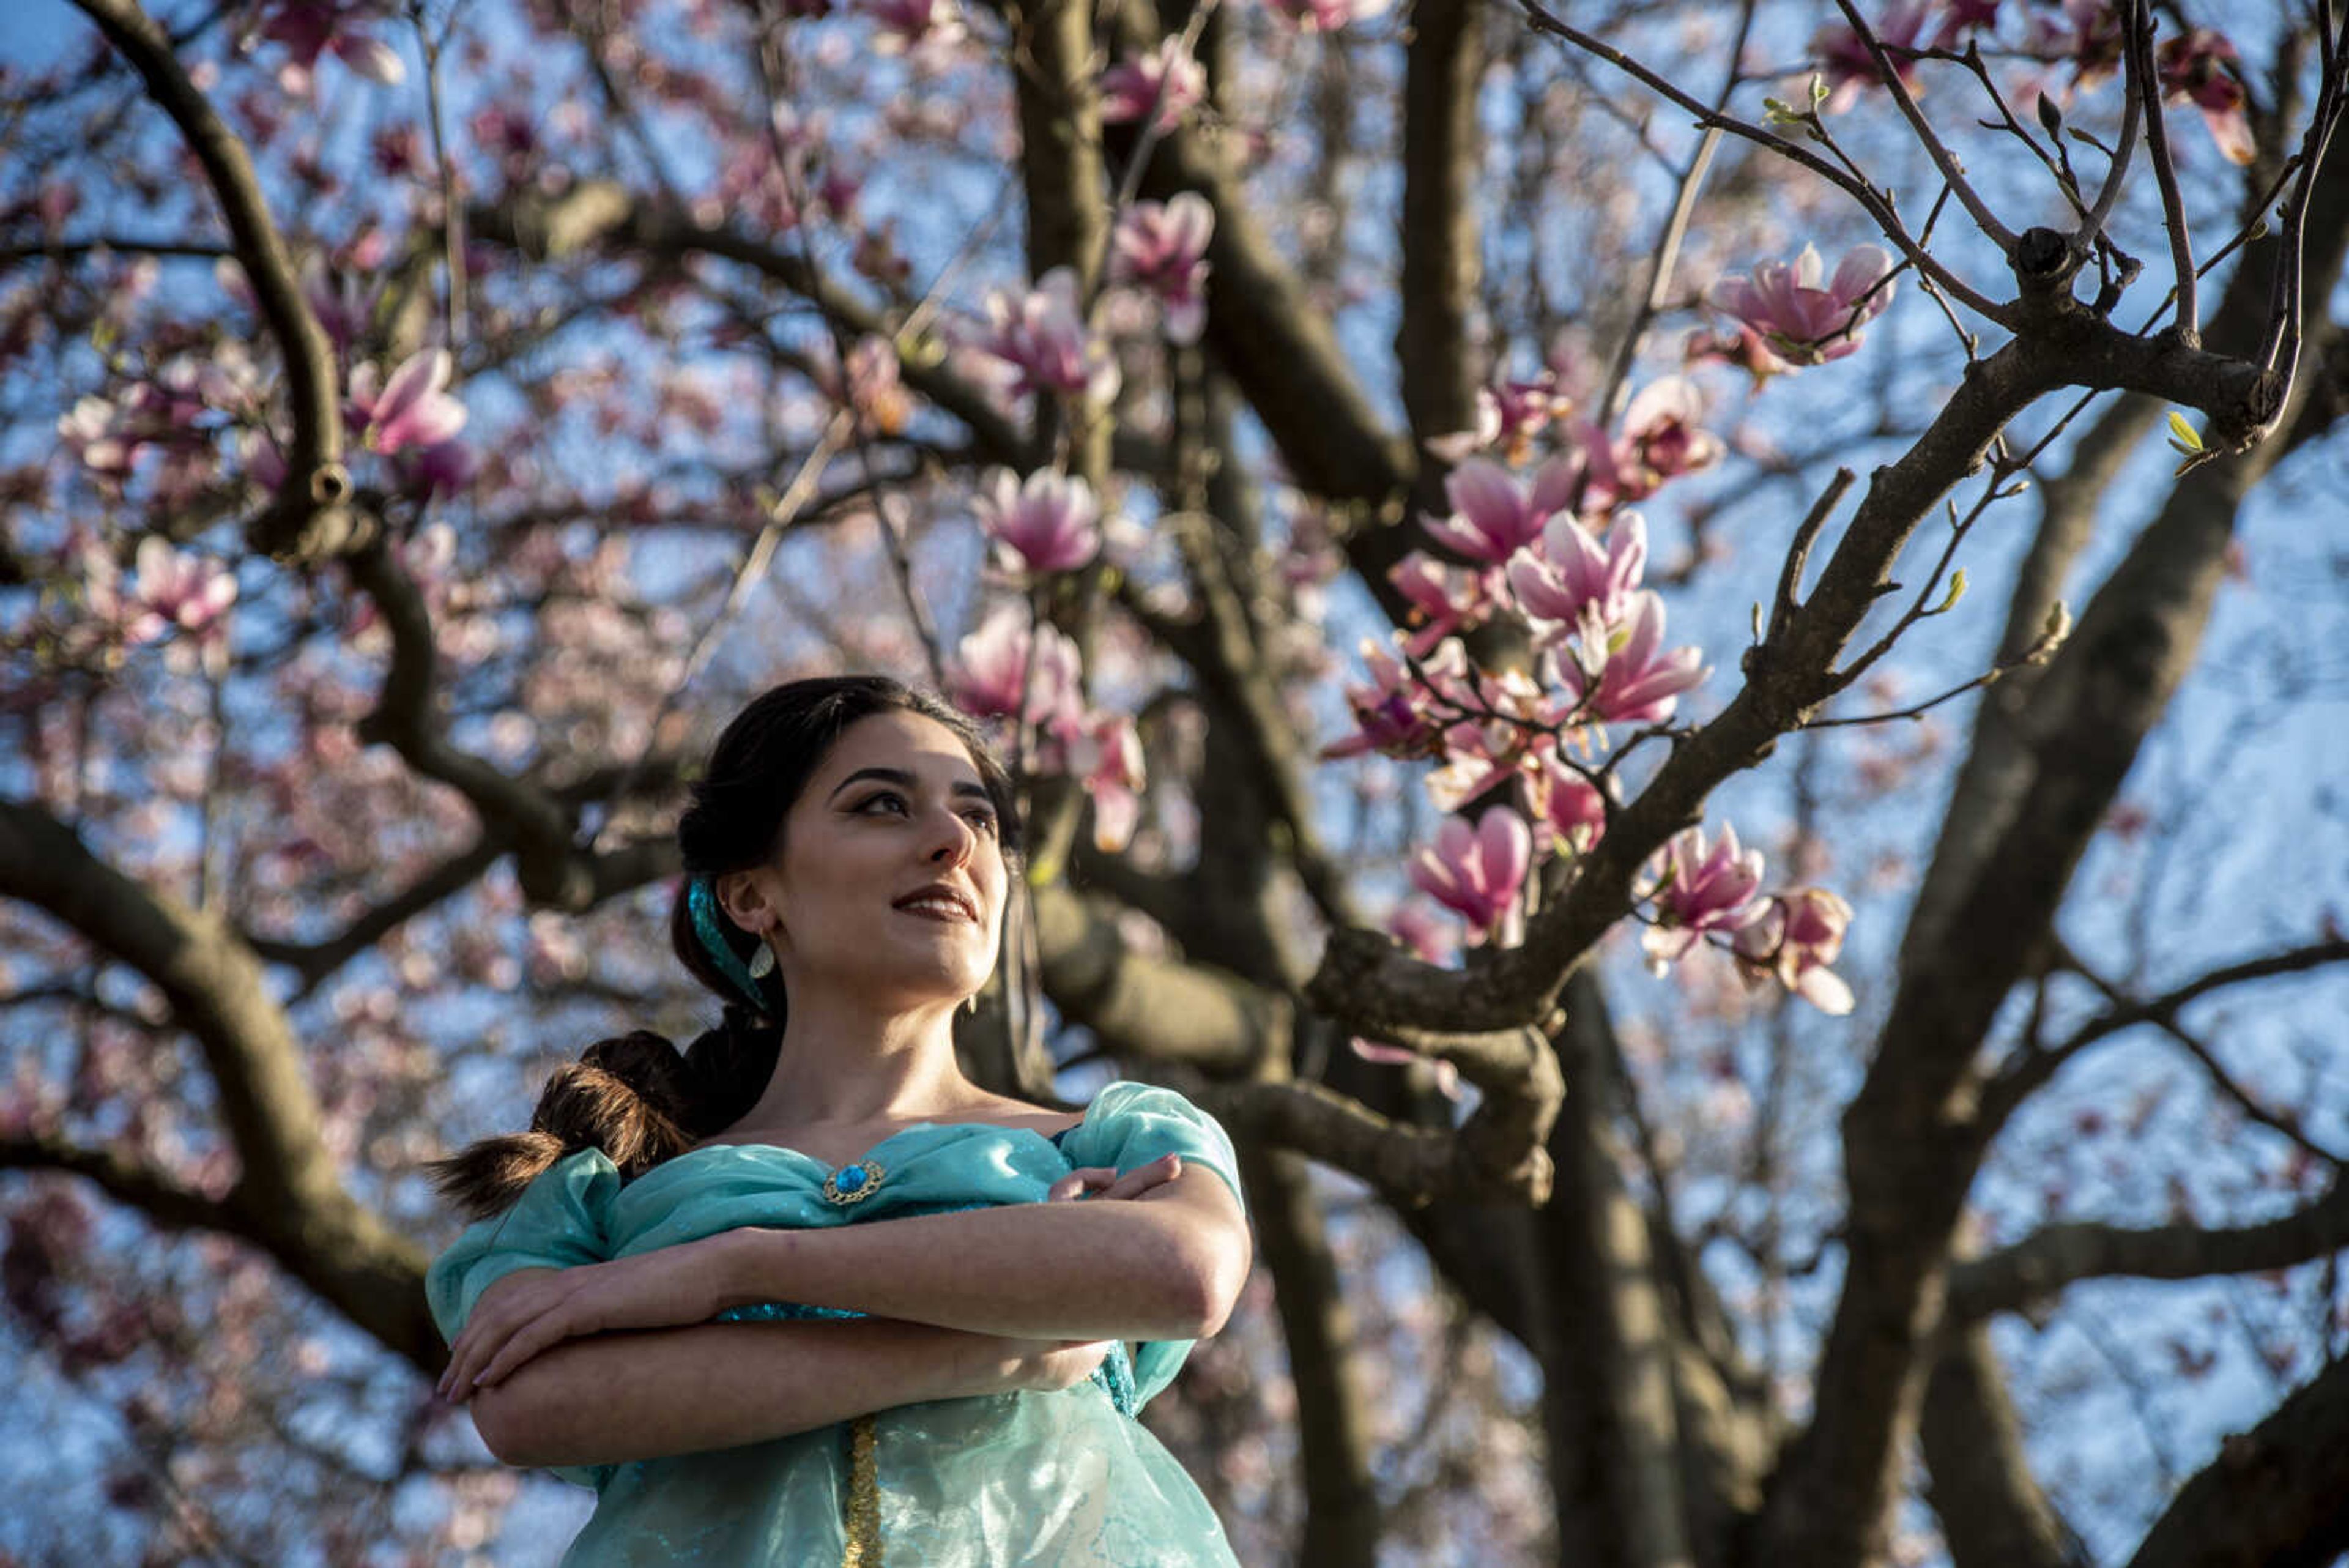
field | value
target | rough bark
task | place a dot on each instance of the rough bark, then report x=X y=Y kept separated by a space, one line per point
x=1341 y=1510
x=1992 y=1511
x=2276 y=1497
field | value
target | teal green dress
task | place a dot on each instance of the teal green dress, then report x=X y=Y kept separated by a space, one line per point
x=1047 y=1479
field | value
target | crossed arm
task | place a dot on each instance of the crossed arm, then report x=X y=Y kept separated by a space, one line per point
x=954 y=1299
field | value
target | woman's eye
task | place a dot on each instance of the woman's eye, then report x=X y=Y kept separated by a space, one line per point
x=985 y=820
x=897 y=800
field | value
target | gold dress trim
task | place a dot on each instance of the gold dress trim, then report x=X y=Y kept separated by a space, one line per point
x=861 y=1520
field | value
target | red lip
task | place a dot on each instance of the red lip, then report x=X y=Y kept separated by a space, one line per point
x=942 y=891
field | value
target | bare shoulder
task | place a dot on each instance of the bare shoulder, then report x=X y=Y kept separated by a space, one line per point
x=1020 y=1114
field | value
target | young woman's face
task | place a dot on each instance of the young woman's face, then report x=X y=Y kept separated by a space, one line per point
x=891 y=876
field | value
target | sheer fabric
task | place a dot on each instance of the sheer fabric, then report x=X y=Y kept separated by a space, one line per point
x=1044 y=1479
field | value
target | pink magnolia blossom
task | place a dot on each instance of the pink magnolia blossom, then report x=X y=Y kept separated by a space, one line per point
x=1445 y=599
x=1622 y=674
x=1042 y=337
x=1445 y=1075
x=1478 y=758
x=341 y=305
x=1509 y=414
x=92 y=431
x=1394 y=714
x=1483 y=753
x=1163 y=247
x=1846 y=63
x=1569 y=814
x=1166 y=78
x=1741 y=346
x=1699 y=890
x=1492 y=516
x=442 y=469
x=165 y=410
x=1571 y=570
x=1801 y=323
x=1326 y=16
x=1662 y=438
x=1419 y=929
x=263 y=460
x=309 y=28
x=1105 y=755
x=909 y=26
x=178 y=590
x=1520 y=410
x=1797 y=935
x=1960 y=17
x=168 y=590
x=411 y=408
x=990 y=664
x=2087 y=37
x=2201 y=68
x=1052 y=523
x=1477 y=872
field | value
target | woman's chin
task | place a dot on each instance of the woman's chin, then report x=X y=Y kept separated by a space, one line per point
x=941 y=975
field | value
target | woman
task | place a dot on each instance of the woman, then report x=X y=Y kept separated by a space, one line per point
x=859 y=1329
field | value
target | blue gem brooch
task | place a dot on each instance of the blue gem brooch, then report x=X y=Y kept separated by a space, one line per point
x=852 y=1183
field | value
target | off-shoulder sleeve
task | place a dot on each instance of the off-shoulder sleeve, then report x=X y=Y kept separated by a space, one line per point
x=1130 y=1125
x=556 y=1223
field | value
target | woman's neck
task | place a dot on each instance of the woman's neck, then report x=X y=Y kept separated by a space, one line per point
x=840 y=1068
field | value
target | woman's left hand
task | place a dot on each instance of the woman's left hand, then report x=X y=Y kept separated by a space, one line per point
x=675 y=1285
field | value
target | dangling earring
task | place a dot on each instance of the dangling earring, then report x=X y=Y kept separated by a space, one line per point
x=762 y=962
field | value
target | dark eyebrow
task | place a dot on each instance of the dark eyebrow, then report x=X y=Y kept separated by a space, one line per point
x=904 y=779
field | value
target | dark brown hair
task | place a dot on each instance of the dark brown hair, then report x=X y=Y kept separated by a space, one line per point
x=635 y=1096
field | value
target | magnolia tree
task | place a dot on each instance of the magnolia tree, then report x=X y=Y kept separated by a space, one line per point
x=1391 y=483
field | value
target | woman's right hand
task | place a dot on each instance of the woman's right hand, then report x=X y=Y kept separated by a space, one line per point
x=1103 y=1180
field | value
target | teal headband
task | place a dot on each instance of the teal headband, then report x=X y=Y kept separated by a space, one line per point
x=701 y=903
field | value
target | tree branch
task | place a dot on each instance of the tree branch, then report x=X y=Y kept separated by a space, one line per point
x=306 y=521
x=595 y=213
x=2276 y=1497
x=313 y=961
x=1341 y=1506
x=1992 y=1511
x=1914 y=1135
x=288 y=1194
x=1442 y=239
x=2018 y=1277
x=149 y=1191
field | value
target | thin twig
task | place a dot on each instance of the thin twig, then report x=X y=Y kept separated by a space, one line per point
x=2144 y=83
x=2092 y=228
x=892 y=530
x=1943 y=159
x=1668 y=247
x=1859 y=190
x=1799 y=554
x=452 y=212
x=2284 y=301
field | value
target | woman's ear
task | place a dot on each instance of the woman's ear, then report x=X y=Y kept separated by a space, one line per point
x=749 y=899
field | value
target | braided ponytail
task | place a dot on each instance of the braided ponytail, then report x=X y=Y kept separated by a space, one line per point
x=630 y=1095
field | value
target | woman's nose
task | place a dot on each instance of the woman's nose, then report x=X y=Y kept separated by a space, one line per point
x=956 y=842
